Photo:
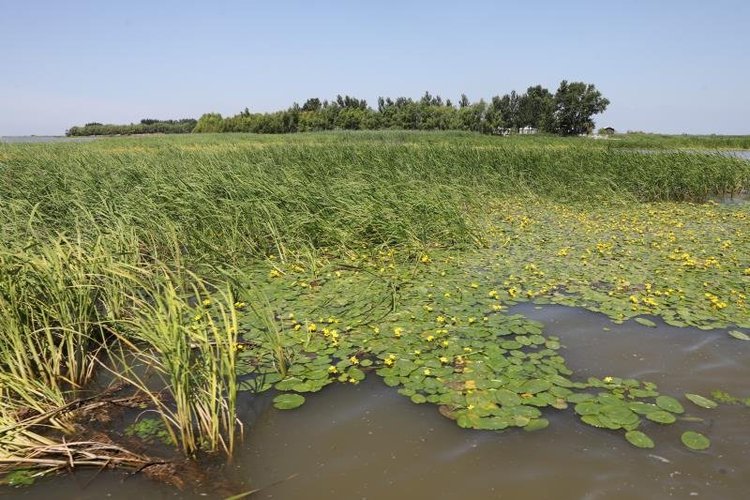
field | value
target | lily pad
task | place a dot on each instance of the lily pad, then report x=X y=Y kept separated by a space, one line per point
x=661 y=417
x=701 y=401
x=536 y=424
x=645 y=322
x=288 y=401
x=639 y=439
x=670 y=404
x=739 y=335
x=695 y=440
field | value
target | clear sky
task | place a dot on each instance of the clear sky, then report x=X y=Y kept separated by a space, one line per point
x=666 y=66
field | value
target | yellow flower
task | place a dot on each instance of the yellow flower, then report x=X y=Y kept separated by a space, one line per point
x=333 y=369
x=206 y=302
x=493 y=294
x=608 y=380
x=440 y=319
x=444 y=359
x=398 y=331
x=425 y=259
x=274 y=273
x=388 y=362
x=427 y=371
x=444 y=343
x=472 y=320
x=353 y=360
x=312 y=327
x=417 y=352
x=430 y=338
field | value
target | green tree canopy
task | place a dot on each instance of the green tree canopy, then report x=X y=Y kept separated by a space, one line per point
x=575 y=105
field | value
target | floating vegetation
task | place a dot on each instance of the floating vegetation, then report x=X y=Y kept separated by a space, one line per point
x=695 y=440
x=438 y=330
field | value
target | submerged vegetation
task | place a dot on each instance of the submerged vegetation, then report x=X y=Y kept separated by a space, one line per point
x=168 y=275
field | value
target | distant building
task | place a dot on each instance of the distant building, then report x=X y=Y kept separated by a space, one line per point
x=527 y=130
x=606 y=131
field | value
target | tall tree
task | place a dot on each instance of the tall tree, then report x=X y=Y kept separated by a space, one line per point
x=536 y=108
x=575 y=105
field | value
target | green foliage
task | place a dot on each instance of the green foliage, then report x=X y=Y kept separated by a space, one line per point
x=695 y=440
x=567 y=112
x=146 y=126
x=150 y=430
x=575 y=105
x=20 y=478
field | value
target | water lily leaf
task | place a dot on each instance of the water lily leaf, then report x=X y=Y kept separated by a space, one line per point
x=661 y=417
x=579 y=397
x=695 y=440
x=620 y=415
x=639 y=439
x=507 y=398
x=418 y=399
x=701 y=401
x=356 y=374
x=670 y=404
x=536 y=424
x=592 y=420
x=645 y=322
x=288 y=401
x=739 y=335
x=288 y=383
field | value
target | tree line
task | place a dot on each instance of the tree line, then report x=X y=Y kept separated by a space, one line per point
x=146 y=126
x=569 y=111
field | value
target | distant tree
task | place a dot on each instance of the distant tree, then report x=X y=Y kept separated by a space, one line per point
x=575 y=105
x=312 y=104
x=209 y=122
x=536 y=108
x=464 y=102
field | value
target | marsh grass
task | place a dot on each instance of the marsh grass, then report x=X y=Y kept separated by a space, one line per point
x=190 y=342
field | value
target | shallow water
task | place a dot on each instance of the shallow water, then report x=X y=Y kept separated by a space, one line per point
x=367 y=441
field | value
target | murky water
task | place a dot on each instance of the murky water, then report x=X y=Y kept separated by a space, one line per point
x=367 y=441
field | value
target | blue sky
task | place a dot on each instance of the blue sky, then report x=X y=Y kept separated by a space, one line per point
x=666 y=66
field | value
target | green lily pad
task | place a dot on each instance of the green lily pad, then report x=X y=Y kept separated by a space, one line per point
x=739 y=335
x=639 y=439
x=695 y=440
x=670 y=404
x=418 y=399
x=536 y=424
x=661 y=417
x=701 y=401
x=645 y=322
x=288 y=401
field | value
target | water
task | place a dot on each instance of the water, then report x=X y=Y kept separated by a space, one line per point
x=740 y=153
x=17 y=139
x=367 y=441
